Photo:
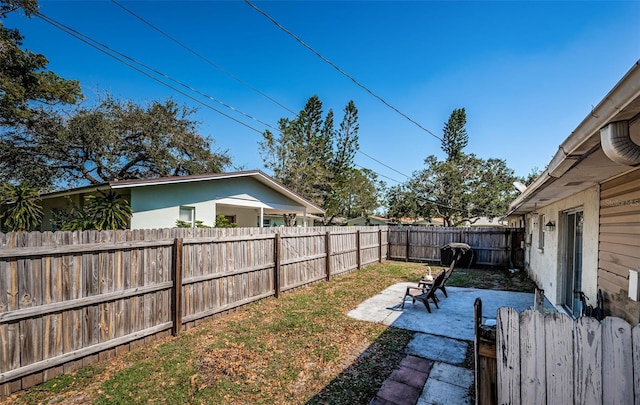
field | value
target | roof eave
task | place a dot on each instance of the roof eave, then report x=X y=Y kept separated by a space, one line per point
x=585 y=137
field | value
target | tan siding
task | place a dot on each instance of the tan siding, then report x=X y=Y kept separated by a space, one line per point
x=619 y=248
x=626 y=261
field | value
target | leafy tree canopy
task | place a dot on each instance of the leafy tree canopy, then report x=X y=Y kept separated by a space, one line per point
x=460 y=189
x=113 y=140
x=26 y=86
x=316 y=160
x=359 y=195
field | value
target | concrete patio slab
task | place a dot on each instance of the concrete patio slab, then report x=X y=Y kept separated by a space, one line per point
x=454 y=318
x=459 y=376
x=445 y=389
x=437 y=348
x=442 y=338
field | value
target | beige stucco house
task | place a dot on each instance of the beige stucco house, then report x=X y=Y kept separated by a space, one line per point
x=582 y=215
x=371 y=220
x=249 y=198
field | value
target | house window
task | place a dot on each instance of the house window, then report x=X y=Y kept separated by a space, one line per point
x=230 y=218
x=541 y=232
x=266 y=222
x=188 y=215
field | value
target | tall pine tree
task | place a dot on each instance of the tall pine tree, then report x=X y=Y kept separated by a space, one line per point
x=313 y=158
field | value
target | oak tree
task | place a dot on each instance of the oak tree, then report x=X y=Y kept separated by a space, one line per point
x=460 y=189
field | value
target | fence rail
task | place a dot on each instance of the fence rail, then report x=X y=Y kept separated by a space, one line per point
x=552 y=359
x=71 y=298
x=491 y=246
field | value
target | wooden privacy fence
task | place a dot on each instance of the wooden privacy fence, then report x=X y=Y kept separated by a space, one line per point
x=553 y=359
x=491 y=246
x=68 y=299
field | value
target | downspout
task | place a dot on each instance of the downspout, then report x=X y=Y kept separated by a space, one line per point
x=617 y=144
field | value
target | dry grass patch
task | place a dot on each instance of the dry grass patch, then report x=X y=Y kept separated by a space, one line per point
x=300 y=348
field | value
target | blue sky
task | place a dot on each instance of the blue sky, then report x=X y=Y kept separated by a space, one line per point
x=527 y=73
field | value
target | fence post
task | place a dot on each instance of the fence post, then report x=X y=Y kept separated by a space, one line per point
x=327 y=244
x=276 y=267
x=358 y=253
x=477 y=321
x=510 y=252
x=379 y=245
x=176 y=292
x=538 y=300
x=407 y=258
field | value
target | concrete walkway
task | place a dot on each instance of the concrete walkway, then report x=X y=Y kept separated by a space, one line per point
x=433 y=370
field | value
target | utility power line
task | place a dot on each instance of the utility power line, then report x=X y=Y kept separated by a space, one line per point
x=203 y=58
x=383 y=164
x=157 y=72
x=131 y=62
x=106 y=50
x=218 y=67
x=336 y=67
x=93 y=43
x=208 y=61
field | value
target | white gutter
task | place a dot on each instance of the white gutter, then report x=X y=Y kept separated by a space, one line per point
x=587 y=135
x=588 y=132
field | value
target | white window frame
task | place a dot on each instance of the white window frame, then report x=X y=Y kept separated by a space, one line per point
x=192 y=210
x=541 y=223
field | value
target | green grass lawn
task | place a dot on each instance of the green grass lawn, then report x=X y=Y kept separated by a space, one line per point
x=298 y=349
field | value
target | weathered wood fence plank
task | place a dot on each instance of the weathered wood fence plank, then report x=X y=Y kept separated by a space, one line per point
x=491 y=246
x=558 y=329
x=564 y=361
x=532 y=358
x=617 y=362
x=72 y=298
x=508 y=356
x=588 y=361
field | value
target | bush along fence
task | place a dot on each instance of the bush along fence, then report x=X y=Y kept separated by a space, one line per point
x=500 y=247
x=69 y=299
x=550 y=358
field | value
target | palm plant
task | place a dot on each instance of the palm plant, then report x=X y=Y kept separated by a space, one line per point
x=21 y=210
x=108 y=210
x=71 y=220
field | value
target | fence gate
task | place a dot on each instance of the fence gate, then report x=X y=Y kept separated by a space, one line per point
x=553 y=359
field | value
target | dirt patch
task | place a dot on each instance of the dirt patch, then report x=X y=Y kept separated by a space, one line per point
x=492 y=279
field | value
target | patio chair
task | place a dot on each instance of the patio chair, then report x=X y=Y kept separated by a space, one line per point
x=460 y=249
x=424 y=294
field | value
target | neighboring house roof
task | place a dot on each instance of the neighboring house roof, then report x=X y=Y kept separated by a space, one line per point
x=581 y=162
x=421 y=221
x=254 y=174
x=373 y=218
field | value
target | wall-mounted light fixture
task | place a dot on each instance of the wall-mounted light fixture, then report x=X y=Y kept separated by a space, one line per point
x=550 y=226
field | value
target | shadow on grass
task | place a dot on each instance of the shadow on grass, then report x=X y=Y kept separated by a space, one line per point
x=360 y=381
